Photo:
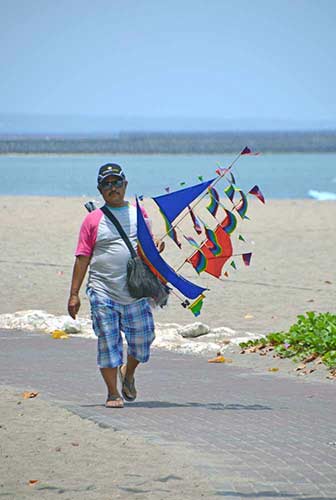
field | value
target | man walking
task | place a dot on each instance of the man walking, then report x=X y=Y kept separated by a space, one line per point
x=101 y=248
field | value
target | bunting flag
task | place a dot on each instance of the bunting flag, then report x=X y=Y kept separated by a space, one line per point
x=242 y=205
x=233 y=180
x=199 y=261
x=167 y=189
x=247 y=151
x=200 y=178
x=229 y=224
x=182 y=183
x=226 y=274
x=233 y=264
x=192 y=242
x=222 y=171
x=196 y=221
x=196 y=306
x=204 y=260
x=241 y=238
x=247 y=258
x=256 y=192
x=214 y=201
x=170 y=230
x=212 y=242
x=230 y=191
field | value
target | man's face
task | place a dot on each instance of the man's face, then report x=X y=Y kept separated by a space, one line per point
x=113 y=190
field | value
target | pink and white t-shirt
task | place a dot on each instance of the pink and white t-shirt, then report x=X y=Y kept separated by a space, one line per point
x=100 y=240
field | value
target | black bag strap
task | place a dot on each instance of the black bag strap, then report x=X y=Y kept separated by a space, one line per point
x=120 y=230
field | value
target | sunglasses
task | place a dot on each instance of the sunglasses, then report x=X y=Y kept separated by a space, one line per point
x=116 y=184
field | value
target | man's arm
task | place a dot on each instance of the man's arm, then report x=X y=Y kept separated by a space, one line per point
x=81 y=264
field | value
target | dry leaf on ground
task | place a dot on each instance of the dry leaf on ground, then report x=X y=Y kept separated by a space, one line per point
x=219 y=359
x=299 y=367
x=29 y=395
x=308 y=371
x=59 y=334
x=31 y=482
x=311 y=358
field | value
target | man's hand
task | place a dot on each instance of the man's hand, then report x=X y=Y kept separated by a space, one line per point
x=73 y=305
x=160 y=245
x=81 y=264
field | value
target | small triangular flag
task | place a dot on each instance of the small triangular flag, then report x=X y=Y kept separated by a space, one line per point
x=247 y=258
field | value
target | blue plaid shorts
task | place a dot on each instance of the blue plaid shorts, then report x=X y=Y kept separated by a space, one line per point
x=109 y=318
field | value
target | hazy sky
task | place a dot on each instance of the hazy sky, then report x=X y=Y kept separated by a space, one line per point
x=161 y=58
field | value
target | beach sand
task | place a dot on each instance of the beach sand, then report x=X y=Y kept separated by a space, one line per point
x=76 y=458
x=292 y=268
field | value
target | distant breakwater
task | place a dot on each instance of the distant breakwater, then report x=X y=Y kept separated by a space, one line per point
x=172 y=143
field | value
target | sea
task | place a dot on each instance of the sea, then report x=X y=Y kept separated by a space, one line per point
x=279 y=176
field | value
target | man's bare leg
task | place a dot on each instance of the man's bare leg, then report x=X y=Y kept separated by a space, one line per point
x=132 y=363
x=127 y=372
x=114 y=399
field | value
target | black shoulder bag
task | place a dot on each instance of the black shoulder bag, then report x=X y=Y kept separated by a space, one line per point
x=141 y=281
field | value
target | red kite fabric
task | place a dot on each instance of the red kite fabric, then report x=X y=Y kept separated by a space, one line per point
x=214 y=264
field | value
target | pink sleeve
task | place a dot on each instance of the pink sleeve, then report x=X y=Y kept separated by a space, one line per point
x=88 y=233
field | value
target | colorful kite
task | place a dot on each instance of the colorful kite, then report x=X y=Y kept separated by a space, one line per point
x=216 y=250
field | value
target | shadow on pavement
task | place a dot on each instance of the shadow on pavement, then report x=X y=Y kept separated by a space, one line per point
x=206 y=406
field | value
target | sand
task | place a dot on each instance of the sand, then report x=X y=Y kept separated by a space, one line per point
x=292 y=269
x=75 y=458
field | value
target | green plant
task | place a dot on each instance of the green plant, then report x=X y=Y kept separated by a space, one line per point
x=313 y=335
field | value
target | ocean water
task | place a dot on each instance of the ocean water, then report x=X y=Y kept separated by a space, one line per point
x=278 y=175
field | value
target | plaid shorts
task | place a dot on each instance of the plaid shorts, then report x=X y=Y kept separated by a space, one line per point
x=109 y=318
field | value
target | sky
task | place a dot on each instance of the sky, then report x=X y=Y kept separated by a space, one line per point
x=202 y=61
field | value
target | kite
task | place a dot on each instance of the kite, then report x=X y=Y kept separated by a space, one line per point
x=216 y=250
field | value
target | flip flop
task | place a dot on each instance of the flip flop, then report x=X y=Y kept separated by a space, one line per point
x=128 y=389
x=116 y=402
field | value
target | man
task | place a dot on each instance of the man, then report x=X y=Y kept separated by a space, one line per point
x=101 y=247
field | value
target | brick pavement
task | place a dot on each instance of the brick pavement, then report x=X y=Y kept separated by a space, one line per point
x=256 y=435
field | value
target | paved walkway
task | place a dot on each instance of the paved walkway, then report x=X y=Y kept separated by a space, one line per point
x=257 y=436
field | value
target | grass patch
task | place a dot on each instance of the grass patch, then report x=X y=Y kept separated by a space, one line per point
x=313 y=336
